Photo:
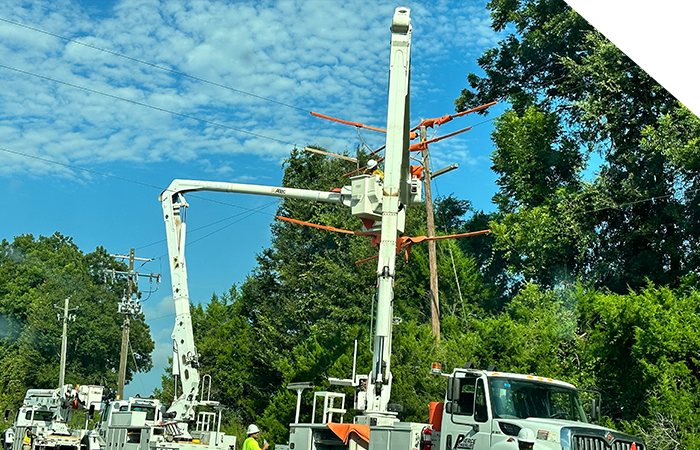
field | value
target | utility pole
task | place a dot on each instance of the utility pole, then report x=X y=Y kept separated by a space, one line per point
x=432 y=258
x=129 y=306
x=64 y=341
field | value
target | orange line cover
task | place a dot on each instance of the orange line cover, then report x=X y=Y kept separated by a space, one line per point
x=343 y=430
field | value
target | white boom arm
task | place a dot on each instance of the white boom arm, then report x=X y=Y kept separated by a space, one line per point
x=185 y=356
x=396 y=189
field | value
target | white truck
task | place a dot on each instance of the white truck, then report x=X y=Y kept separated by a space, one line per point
x=42 y=422
x=482 y=410
x=129 y=424
x=488 y=410
x=141 y=424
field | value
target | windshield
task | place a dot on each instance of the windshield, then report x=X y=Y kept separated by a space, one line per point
x=149 y=410
x=520 y=399
x=39 y=416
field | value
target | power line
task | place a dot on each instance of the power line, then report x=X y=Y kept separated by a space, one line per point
x=138 y=371
x=256 y=210
x=140 y=61
x=160 y=317
x=157 y=108
x=71 y=166
x=127 y=180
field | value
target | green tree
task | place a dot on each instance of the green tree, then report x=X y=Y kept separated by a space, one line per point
x=573 y=92
x=643 y=349
x=36 y=274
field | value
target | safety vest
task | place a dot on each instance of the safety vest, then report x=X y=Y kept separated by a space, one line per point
x=27 y=440
x=251 y=444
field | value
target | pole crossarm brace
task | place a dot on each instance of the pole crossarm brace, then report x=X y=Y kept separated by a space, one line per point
x=444 y=170
x=356 y=124
x=424 y=145
x=332 y=155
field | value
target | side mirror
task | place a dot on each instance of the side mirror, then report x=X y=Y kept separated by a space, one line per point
x=456 y=389
x=595 y=410
x=450 y=382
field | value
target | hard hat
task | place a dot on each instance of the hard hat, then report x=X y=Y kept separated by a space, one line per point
x=526 y=435
x=252 y=429
x=371 y=164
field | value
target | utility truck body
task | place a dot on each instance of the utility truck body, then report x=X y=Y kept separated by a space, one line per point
x=42 y=422
x=140 y=424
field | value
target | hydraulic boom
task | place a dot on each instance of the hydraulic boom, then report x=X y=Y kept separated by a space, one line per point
x=185 y=356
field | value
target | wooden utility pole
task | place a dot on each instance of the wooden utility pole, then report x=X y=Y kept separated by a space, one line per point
x=125 y=330
x=432 y=258
x=129 y=307
x=64 y=338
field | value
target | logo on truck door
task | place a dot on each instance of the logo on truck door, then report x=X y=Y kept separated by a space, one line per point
x=464 y=443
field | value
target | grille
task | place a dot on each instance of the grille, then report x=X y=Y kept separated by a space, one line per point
x=598 y=443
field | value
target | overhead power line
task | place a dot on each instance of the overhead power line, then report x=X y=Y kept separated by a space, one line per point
x=127 y=180
x=157 y=108
x=156 y=66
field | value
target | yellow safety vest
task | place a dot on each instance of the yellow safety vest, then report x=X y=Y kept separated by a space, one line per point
x=251 y=444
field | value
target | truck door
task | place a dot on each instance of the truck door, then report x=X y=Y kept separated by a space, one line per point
x=466 y=422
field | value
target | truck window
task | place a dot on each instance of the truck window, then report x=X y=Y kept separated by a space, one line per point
x=105 y=412
x=480 y=410
x=42 y=416
x=149 y=410
x=465 y=402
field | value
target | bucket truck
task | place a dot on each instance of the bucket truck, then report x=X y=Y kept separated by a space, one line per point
x=364 y=197
x=42 y=422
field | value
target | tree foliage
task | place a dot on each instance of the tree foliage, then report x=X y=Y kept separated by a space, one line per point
x=572 y=93
x=35 y=275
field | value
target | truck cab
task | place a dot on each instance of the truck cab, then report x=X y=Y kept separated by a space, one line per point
x=129 y=423
x=487 y=410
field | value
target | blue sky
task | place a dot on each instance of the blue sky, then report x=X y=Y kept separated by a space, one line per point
x=84 y=108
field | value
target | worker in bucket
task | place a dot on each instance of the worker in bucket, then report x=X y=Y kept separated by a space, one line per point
x=251 y=443
x=373 y=169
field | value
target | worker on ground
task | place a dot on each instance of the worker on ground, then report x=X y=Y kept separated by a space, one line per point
x=251 y=443
x=27 y=439
x=526 y=439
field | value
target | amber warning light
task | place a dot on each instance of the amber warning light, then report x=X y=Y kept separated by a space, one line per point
x=436 y=368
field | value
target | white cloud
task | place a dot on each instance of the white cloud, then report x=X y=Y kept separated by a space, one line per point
x=325 y=56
